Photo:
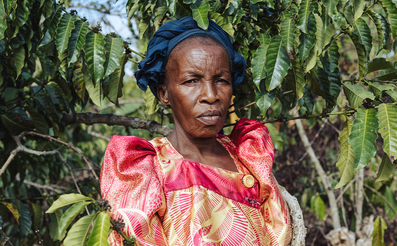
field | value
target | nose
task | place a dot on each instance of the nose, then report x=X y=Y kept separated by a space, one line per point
x=209 y=93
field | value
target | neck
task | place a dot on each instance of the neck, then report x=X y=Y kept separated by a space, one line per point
x=190 y=147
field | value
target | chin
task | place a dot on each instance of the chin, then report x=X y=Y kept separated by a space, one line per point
x=207 y=132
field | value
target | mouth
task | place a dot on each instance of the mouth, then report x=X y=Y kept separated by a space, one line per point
x=210 y=117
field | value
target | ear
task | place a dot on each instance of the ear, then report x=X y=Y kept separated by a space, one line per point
x=162 y=94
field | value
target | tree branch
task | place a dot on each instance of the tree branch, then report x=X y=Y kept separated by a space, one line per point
x=111 y=120
x=321 y=173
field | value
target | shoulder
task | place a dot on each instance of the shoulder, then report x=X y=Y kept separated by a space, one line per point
x=121 y=145
x=247 y=129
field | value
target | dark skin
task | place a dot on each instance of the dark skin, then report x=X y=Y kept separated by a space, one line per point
x=198 y=87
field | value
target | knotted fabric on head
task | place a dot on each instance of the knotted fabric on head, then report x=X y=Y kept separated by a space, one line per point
x=152 y=69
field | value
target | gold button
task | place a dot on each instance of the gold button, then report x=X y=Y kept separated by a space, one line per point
x=248 y=181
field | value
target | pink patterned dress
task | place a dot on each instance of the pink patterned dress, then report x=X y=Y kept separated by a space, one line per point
x=164 y=199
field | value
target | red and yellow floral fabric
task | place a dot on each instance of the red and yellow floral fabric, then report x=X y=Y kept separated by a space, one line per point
x=164 y=199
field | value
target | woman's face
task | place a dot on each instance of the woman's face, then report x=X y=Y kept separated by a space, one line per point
x=198 y=87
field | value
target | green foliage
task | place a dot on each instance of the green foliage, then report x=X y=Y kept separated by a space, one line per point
x=378 y=232
x=318 y=207
x=78 y=233
x=347 y=156
x=65 y=200
x=100 y=231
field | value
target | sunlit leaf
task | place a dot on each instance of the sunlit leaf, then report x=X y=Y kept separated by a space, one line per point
x=115 y=82
x=78 y=233
x=68 y=217
x=114 y=52
x=151 y=103
x=318 y=207
x=287 y=32
x=387 y=114
x=277 y=63
x=95 y=56
x=345 y=162
x=200 y=11
x=363 y=136
x=66 y=199
x=93 y=91
x=356 y=94
x=377 y=89
x=77 y=40
x=330 y=6
x=3 y=21
x=378 y=233
x=305 y=9
x=100 y=232
x=65 y=27
x=222 y=22
x=258 y=64
x=320 y=32
x=265 y=100
x=358 y=6
x=391 y=198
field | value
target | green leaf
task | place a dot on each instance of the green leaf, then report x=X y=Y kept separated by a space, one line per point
x=392 y=94
x=265 y=100
x=264 y=38
x=54 y=224
x=258 y=64
x=65 y=27
x=348 y=13
x=143 y=26
x=330 y=6
x=329 y=34
x=389 y=74
x=378 y=233
x=334 y=56
x=77 y=40
x=40 y=123
x=159 y=15
x=305 y=9
x=360 y=53
x=356 y=94
x=319 y=34
x=377 y=89
x=358 y=6
x=386 y=29
x=345 y=162
x=151 y=103
x=363 y=33
x=78 y=233
x=391 y=11
x=100 y=232
x=13 y=209
x=115 y=83
x=387 y=114
x=318 y=207
x=68 y=217
x=222 y=22
x=386 y=168
x=93 y=91
x=25 y=222
x=314 y=84
x=47 y=7
x=378 y=64
x=51 y=25
x=200 y=11
x=95 y=56
x=66 y=199
x=287 y=32
x=391 y=198
x=277 y=63
x=37 y=215
x=3 y=20
x=21 y=14
x=300 y=81
x=363 y=136
x=375 y=18
x=114 y=52
x=19 y=58
x=307 y=41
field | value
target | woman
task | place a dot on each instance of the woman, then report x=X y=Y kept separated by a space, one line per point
x=195 y=187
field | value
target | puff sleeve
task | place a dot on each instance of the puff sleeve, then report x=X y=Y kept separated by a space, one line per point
x=255 y=150
x=130 y=183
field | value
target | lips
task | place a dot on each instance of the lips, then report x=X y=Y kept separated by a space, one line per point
x=210 y=117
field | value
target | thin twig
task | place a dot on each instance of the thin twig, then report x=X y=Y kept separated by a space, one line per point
x=87 y=161
x=9 y=159
x=95 y=134
x=39 y=236
x=6 y=239
x=242 y=107
x=345 y=189
x=384 y=198
x=311 y=143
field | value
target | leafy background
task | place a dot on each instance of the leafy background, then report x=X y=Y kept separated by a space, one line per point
x=321 y=76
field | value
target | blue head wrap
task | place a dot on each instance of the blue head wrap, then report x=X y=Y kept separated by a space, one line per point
x=152 y=69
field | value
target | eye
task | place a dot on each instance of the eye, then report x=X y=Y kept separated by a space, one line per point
x=191 y=81
x=223 y=81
